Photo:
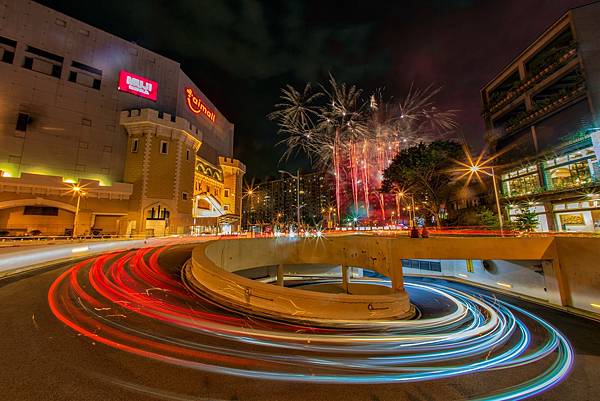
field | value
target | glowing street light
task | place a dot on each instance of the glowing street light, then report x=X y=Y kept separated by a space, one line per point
x=76 y=189
x=401 y=194
x=248 y=193
x=479 y=166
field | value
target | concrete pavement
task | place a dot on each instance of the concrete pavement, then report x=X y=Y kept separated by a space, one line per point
x=44 y=360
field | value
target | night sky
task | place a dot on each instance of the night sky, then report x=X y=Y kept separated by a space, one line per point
x=240 y=52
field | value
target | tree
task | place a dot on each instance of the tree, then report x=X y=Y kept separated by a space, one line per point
x=526 y=220
x=426 y=172
x=488 y=218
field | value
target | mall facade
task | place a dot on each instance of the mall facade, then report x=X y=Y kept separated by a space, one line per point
x=102 y=136
x=542 y=115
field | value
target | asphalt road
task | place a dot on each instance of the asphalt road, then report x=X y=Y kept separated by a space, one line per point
x=42 y=359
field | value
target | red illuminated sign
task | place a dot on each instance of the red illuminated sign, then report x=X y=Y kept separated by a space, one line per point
x=197 y=107
x=139 y=86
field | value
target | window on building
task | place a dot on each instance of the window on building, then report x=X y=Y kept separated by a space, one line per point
x=226 y=193
x=7 y=50
x=40 y=211
x=422 y=265
x=44 y=62
x=522 y=181
x=226 y=207
x=22 y=122
x=86 y=121
x=187 y=154
x=85 y=75
x=158 y=214
x=164 y=147
x=135 y=145
x=570 y=175
x=184 y=196
x=571 y=170
x=522 y=185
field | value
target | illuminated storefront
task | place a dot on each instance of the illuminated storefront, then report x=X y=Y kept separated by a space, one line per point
x=579 y=216
x=572 y=170
x=521 y=182
x=563 y=190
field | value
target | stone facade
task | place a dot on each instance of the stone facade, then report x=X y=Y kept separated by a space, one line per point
x=71 y=119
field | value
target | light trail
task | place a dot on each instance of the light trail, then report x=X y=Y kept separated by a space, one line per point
x=130 y=302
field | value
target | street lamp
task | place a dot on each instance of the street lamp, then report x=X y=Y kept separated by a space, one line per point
x=249 y=191
x=297 y=178
x=401 y=195
x=76 y=189
x=475 y=167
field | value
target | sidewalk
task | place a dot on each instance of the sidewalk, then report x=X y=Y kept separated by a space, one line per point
x=16 y=259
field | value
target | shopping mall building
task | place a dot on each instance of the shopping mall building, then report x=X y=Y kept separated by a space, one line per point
x=542 y=112
x=81 y=108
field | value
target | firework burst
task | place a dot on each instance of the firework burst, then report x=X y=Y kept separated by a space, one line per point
x=356 y=137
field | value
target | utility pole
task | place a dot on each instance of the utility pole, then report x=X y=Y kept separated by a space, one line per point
x=500 y=222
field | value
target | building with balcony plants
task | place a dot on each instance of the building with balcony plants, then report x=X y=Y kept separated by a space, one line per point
x=541 y=113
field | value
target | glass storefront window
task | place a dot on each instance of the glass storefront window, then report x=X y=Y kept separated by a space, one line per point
x=523 y=185
x=570 y=175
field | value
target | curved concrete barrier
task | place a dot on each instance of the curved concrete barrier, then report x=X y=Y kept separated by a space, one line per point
x=567 y=275
x=213 y=265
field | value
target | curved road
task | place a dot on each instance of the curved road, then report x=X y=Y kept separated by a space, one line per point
x=44 y=359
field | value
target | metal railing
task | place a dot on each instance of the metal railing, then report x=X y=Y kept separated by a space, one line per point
x=55 y=239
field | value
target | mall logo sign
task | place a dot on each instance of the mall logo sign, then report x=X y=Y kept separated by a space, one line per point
x=196 y=105
x=139 y=86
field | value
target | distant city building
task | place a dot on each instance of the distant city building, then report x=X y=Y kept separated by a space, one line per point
x=274 y=201
x=541 y=112
x=80 y=107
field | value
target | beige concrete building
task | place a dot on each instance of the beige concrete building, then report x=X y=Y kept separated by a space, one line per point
x=79 y=106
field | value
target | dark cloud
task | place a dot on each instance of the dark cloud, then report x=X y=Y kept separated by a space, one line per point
x=240 y=52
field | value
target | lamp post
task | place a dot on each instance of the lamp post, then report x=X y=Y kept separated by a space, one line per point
x=500 y=222
x=77 y=190
x=475 y=169
x=248 y=194
x=402 y=195
x=297 y=178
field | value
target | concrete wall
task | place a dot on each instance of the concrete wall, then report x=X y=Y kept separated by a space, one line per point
x=562 y=271
x=213 y=264
x=580 y=265
x=524 y=277
x=565 y=273
x=80 y=123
